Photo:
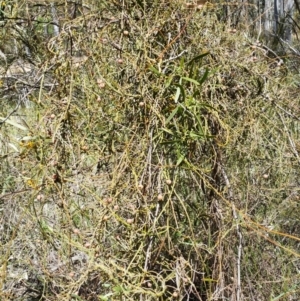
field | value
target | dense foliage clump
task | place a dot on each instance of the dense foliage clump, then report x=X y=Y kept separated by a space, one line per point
x=149 y=151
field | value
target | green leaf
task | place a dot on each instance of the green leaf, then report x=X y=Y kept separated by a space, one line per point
x=195 y=136
x=15 y=124
x=169 y=80
x=198 y=57
x=191 y=80
x=172 y=115
x=177 y=95
x=209 y=280
x=204 y=77
x=13 y=147
x=180 y=159
x=154 y=70
x=28 y=138
x=106 y=285
x=179 y=91
x=119 y=289
x=168 y=131
x=278 y=297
